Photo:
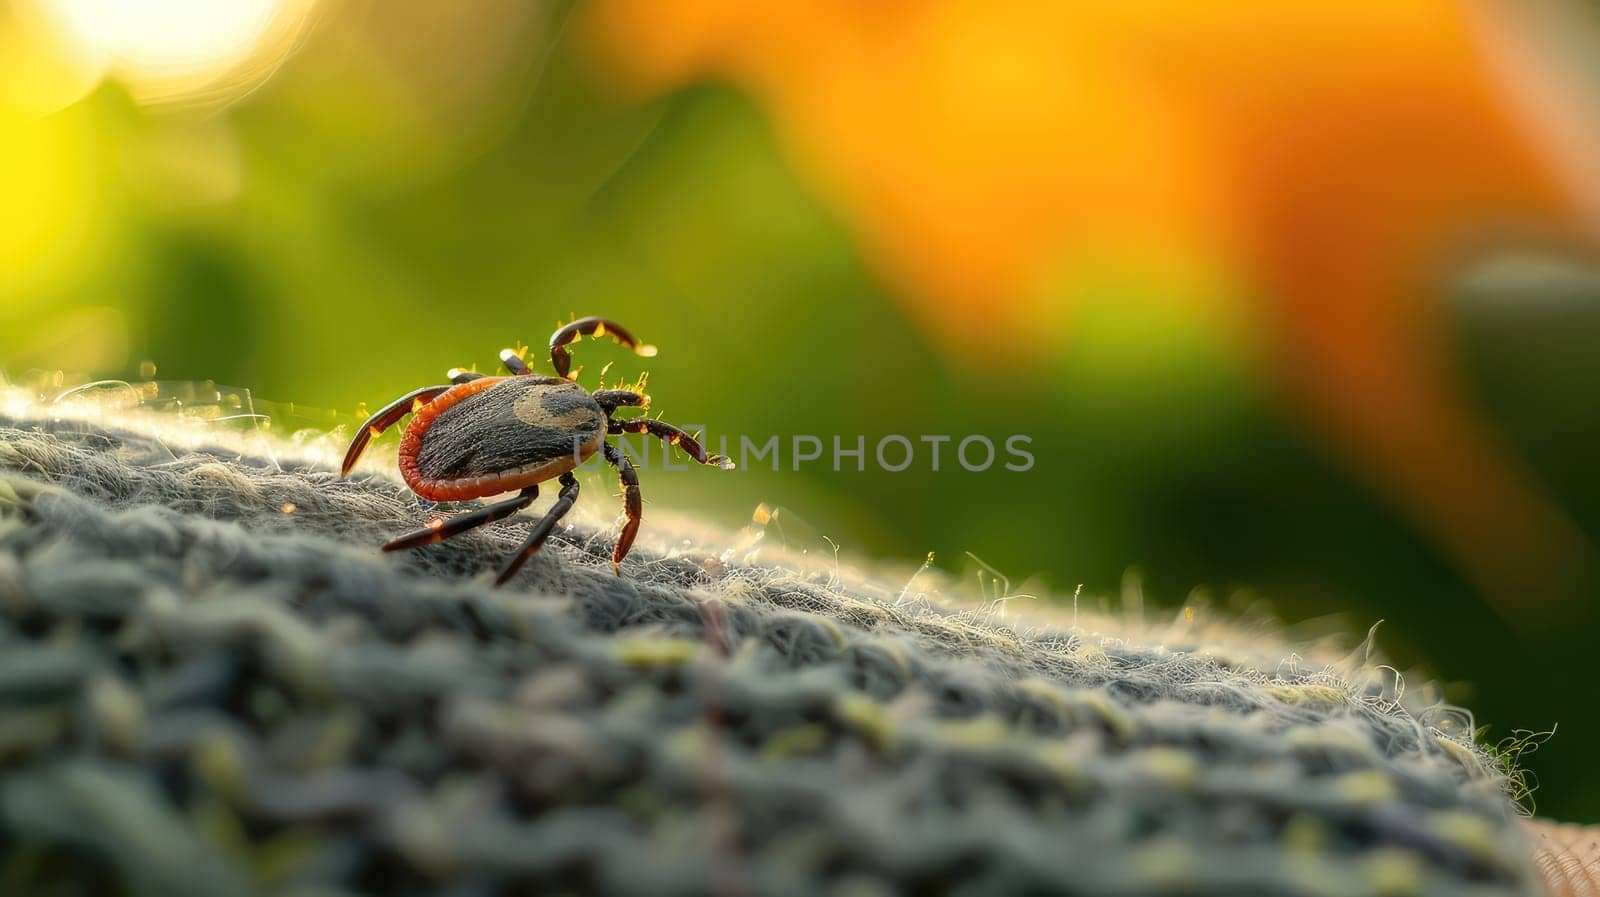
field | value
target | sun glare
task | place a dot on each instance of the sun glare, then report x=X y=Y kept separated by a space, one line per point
x=172 y=49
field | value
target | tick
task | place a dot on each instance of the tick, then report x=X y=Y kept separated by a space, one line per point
x=482 y=435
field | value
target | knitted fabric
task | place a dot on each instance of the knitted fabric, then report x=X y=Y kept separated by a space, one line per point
x=213 y=683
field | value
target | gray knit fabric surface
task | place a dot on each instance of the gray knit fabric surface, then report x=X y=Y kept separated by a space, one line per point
x=213 y=683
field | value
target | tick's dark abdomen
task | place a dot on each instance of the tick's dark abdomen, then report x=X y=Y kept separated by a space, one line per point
x=517 y=429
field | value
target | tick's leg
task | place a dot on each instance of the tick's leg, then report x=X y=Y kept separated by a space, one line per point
x=671 y=435
x=459 y=376
x=610 y=400
x=541 y=530
x=430 y=535
x=632 y=504
x=384 y=419
x=571 y=333
x=513 y=362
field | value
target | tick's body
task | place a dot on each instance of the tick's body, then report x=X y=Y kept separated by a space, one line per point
x=483 y=436
x=499 y=434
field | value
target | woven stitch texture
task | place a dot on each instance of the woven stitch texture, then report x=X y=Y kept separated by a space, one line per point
x=201 y=694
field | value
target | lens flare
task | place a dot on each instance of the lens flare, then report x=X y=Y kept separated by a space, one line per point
x=166 y=50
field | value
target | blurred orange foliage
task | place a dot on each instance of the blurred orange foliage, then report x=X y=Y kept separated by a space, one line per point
x=1330 y=158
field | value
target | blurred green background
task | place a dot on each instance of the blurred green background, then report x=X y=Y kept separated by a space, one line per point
x=404 y=195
